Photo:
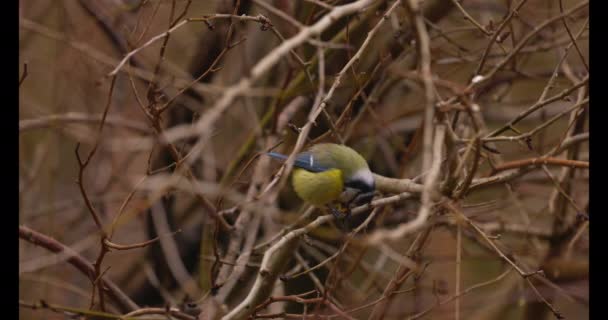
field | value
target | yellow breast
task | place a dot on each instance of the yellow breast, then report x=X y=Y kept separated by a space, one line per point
x=318 y=188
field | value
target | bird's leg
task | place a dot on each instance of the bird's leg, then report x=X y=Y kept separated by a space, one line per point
x=340 y=214
x=337 y=210
x=360 y=198
x=347 y=198
x=346 y=210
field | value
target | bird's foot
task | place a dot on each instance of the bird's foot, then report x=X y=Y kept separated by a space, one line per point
x=341 y=214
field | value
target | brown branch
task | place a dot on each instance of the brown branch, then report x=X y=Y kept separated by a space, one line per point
x=78 y=261
x=539 y=105
x=70 y=312
x=300 y=300
x=462 y=191
x=154 y=116
x=392 y=185
x=540 y=161
x=460 y=294
x=460 y=215
x=468 y=17
x=496 y=34
x=275 y=259
x=202 y=128
x=528 y=135
x=83 y=164
x=117 y=246
x=171 y=252
x=176 y=26
x=169 y=312
x=578 y=50
x=349 y=237
x=429 y=194
x=279 y=13
x=480 y=79
x=400 y=276
x=76 y=117
x=525 y=275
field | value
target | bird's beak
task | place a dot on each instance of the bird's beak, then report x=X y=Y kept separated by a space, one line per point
x=363 y=198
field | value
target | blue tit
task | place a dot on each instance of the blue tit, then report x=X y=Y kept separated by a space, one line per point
x=331 y=173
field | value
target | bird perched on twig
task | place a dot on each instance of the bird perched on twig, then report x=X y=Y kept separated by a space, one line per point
x=331 y=175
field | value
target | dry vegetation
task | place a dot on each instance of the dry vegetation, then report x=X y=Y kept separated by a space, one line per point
x=145 y=194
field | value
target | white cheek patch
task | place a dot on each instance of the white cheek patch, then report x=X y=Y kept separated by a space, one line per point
x=364 y=175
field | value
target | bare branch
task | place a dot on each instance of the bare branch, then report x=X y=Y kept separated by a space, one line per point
x=79 y=262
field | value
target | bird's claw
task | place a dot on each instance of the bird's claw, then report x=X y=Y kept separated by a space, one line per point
x=341 y=214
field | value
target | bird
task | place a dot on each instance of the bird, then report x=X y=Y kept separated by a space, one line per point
x=330 y=175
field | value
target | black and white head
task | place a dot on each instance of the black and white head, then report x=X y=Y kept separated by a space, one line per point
x=359 y=188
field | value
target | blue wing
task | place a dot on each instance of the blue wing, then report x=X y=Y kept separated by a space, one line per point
x=304 y=160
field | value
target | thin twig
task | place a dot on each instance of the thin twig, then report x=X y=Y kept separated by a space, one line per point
x=460 y=294
x=479 y=79
x=76 y=117
x=572 y=38
x=202 y=128
x=458 y=270
x=428 y=195
x=541 y=161
x=468 y=17
x=79 y=262
x=530 y=134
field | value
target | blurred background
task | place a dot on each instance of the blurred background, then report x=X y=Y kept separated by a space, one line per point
x=538 y=217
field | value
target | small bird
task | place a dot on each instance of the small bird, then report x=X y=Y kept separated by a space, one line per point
x=329 y=173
